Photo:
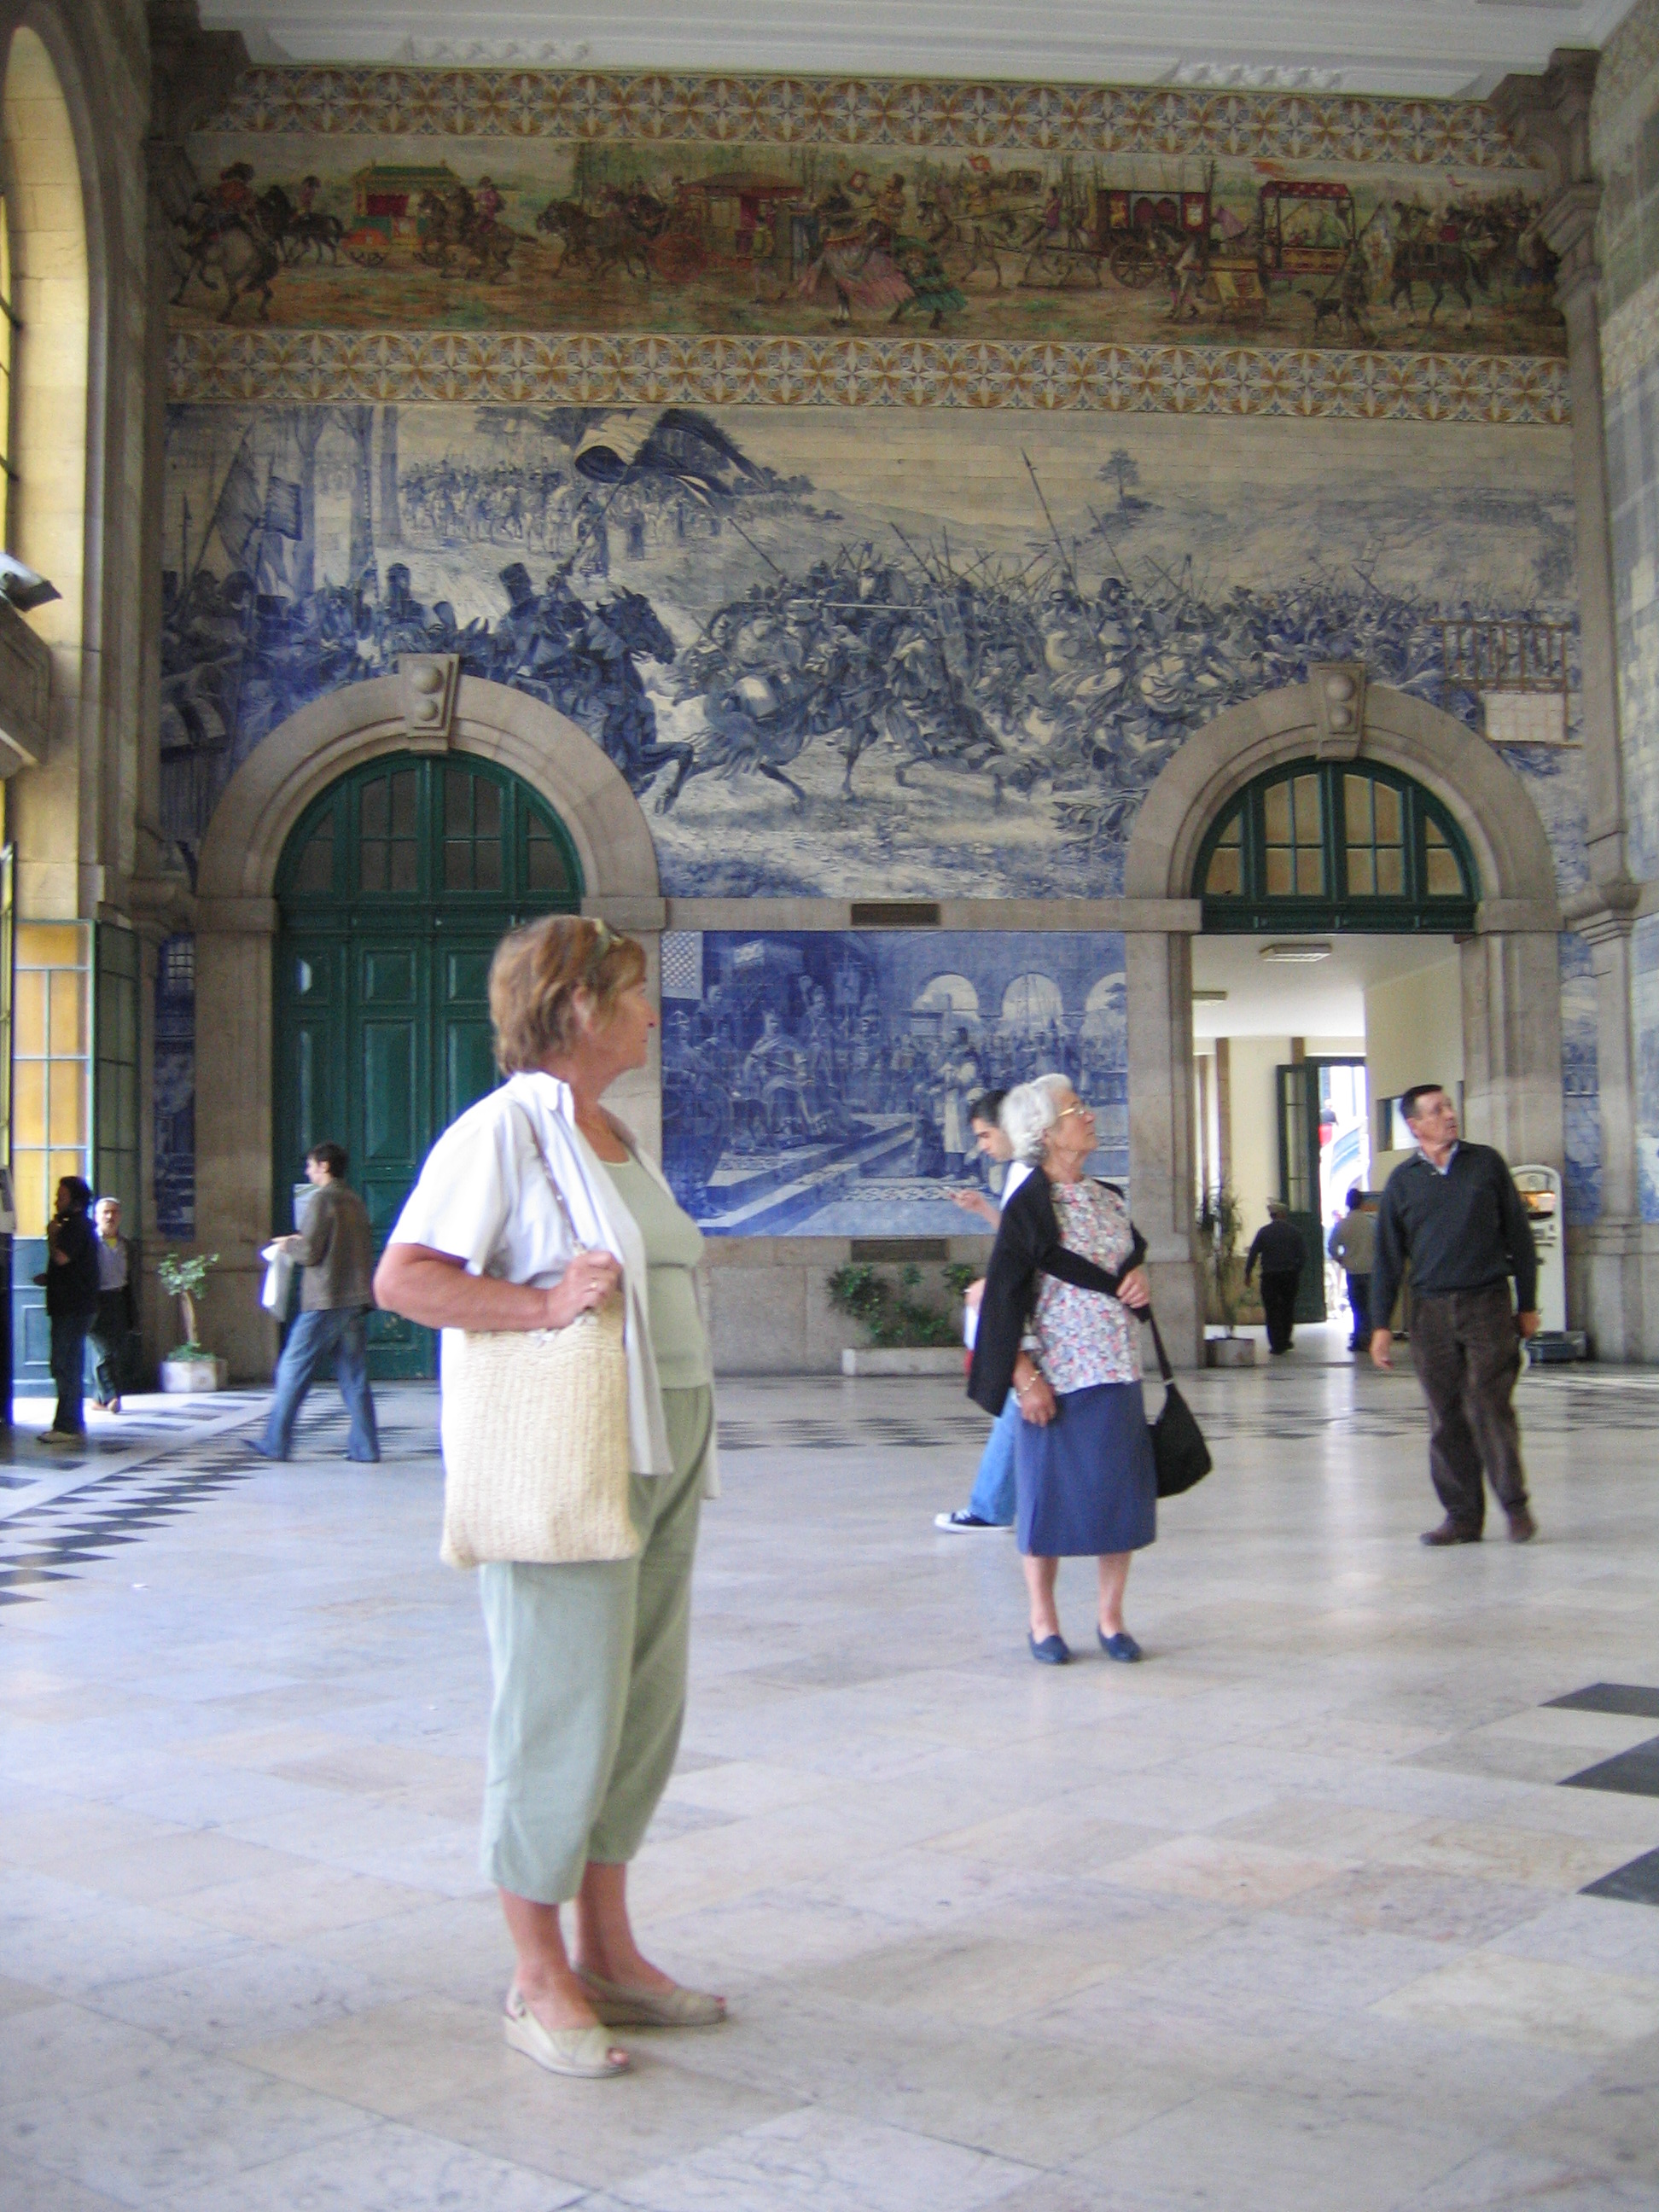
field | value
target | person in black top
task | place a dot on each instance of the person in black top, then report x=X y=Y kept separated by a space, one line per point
x=1455 y=1213
x=1281 y=1252
x=72 y=1284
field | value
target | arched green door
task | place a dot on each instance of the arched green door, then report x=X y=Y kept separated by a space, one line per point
x=394 y=890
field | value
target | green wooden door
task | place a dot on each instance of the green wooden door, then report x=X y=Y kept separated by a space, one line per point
x=395 y=888
x=1298 y=1178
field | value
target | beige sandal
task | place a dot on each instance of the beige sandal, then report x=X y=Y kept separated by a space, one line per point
x=586 y=2053
x=619 y=2007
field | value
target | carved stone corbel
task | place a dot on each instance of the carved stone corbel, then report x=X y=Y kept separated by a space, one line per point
x=427 y=684
x=1339 y=693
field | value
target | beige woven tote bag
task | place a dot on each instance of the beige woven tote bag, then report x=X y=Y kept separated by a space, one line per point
x=535 y=1444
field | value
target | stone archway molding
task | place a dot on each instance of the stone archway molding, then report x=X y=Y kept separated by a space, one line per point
x=1484 y=796
x=237 y=921
x=1511 y=966
x=323 y=741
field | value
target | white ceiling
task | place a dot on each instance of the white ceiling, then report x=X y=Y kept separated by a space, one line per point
x=1265 y=997
x=1431 y=47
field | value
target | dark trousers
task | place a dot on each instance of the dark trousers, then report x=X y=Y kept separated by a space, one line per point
x=1360 y=1307
x=336 y=1333
x=69 y=1360
x=1279 y=1304
x=109 y=1343
x=1467 y=1355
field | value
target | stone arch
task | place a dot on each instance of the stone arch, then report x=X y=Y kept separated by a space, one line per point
x=1510 y=967
x=333 y=735
x=1484 y=796
x=237 y=922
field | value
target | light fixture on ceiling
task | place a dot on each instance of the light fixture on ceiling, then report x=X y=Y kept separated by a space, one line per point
x=1207 y=998
x=1301 y=951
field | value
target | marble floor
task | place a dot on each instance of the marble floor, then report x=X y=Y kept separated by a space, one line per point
x=1342 y=1901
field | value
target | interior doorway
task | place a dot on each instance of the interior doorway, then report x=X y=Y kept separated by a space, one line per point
x=1299 y=1062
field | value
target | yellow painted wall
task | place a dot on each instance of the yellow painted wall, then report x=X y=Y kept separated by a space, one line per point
x=1414 y=1034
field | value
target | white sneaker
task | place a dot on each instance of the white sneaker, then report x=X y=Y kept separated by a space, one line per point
x=964 y=1524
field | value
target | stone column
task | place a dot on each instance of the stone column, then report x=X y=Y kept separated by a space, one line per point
x=1548 y=117
x=234 y=948
x=1158 y=955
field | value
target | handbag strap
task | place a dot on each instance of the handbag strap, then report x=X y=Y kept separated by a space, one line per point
x=552 y=1181
x=1164 y=1366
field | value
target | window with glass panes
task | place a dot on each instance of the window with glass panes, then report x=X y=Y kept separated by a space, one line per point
x=1329 y=845
x=51 y=1065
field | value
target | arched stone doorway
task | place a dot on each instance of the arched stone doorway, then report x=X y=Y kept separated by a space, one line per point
x=238 y=919
x=1510 y=967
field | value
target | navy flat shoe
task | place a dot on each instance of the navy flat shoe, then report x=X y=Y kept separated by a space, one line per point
x=1053 y=1651
x=1121 y=1646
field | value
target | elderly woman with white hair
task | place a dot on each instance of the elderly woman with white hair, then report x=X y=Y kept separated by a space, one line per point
x=1057 y=1325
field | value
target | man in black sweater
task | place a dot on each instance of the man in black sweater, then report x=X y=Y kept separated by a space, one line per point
x=1280 y=1250
x=1453 y=1211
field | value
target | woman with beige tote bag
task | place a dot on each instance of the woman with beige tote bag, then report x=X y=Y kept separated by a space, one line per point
x=537 y=1212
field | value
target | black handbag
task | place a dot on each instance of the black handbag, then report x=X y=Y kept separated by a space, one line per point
x=1179 y=1452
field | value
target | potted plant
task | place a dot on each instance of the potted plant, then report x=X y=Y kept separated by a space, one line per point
x=908 y=1335
x=190 y=1366
x=1220 y=1224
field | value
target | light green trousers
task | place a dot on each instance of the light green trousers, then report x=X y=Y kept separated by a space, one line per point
x=590 y=1663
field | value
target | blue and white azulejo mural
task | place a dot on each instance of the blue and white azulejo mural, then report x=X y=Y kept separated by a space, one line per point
x=818 y=1083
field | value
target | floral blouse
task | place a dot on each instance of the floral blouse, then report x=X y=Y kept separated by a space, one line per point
x=1083 y=1338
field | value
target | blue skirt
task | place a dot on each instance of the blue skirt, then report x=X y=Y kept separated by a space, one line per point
x=1087 y=1483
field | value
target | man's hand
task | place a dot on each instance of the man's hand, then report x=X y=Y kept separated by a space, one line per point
x=976 y=1201
x=1382 y=1348
x=1528 y=1324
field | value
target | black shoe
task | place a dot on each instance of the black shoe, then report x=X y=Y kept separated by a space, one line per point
x=961 y=1522
x=1522 y=1527
x=1449 y=1533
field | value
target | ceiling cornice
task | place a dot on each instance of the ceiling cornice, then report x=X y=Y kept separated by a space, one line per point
x=1427 y=48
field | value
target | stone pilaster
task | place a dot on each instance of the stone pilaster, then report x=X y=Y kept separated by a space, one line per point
x=1548 y=117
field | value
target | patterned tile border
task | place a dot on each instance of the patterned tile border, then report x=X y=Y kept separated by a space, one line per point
x=574 y=106
x=1630 y=337
x=270 y=367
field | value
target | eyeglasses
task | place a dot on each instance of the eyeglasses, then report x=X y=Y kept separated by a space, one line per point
x=1076 y=1107
x=604 y=939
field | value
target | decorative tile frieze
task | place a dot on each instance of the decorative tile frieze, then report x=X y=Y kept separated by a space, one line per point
x=242 y=367
x=846 y=111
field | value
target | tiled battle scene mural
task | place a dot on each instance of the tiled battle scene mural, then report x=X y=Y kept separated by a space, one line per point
x=834 y=654
x=681 y=209
x=818 y=1083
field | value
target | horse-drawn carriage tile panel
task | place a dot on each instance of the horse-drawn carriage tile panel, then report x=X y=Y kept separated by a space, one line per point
x=819 y=1083
x=358 y=200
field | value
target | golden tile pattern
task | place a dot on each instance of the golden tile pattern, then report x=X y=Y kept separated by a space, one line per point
x=802 y=111
x=272 y=367
x=1630 y=337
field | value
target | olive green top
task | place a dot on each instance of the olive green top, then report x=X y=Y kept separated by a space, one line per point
x=673 y=1248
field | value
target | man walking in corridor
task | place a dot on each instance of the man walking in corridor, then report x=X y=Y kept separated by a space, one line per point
x=1280 y=1251
x=1453 y=1211
x=336 y=1247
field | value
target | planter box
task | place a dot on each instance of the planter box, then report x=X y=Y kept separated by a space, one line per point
x=178 y=1375
x=1230 y=1351
x=932 y=1359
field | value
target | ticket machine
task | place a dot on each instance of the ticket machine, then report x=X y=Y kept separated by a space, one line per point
x=1541 y=1194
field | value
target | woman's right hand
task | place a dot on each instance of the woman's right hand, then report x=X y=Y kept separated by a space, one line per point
x=1036 y=1402
x=591 y=1280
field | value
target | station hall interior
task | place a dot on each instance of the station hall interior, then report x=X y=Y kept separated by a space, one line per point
x=1118 y=543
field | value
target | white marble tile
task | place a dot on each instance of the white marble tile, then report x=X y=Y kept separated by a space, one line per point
x=829 y=2162
x=1492 y=1993
x=385 y=2167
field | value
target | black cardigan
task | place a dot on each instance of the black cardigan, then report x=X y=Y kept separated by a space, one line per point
x=1028 y=1244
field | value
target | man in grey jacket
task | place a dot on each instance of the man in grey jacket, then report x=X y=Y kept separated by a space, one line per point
x=1352 y=1244
x=1453 y=1211
x=336 y=1247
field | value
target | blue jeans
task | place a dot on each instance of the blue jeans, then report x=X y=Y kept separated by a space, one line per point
x=1360 y=1305
x=340 y=1332
x=994 y=1486
x=69 y=1361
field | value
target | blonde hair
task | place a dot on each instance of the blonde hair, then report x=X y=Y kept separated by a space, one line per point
x=534 y=975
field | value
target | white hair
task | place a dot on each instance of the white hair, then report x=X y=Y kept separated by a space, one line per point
x=1030 y=1111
